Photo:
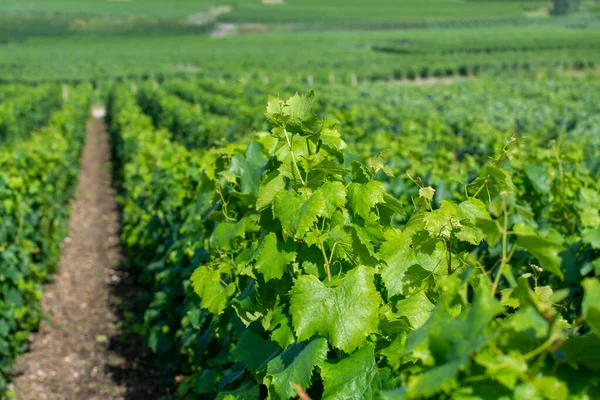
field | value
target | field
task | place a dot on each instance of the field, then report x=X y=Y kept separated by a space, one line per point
x=284 y=11
x=257 y=199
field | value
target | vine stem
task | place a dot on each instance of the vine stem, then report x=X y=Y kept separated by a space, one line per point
x=504 y=261
x=290 y=144
x=485 y=182
x=540 y=349
x=496 y=161
x=450 y=255
x=327 y=265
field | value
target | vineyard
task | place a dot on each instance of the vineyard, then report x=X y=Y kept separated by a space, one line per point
x=312 y=212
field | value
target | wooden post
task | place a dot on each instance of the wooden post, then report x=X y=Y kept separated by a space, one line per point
x=310 y=80
x=332 y=78
x=65 y=93
x=354 y=80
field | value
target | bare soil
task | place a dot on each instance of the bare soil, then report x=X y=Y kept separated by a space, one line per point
x=79 y=351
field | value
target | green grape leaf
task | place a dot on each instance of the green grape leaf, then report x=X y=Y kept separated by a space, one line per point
x=590 y=308
x=499 y=182
x=364 y=197
x=550 y=387
x=546 y=251
x=272 y=257
x=4 y=329
x=507 y=300
x=329 y=167
x=470 y=235
x=441 y=222
x=438 y=379
x=267 y=191
x=395 y=351
x=472 y=212
x=390 y=207
x=295 y=365
x=301 y=119
x=206 y=381
x=334 y=194
x=274 y=109
x=295 y=114
x=427 y=193
x=583 y=350
x=253 y=351
x=490 y=230
x=278 y=323
x=416 y=308
x=248 y=392
x=410 y=261
x=249 y=168
x=450 y=342
x=252 y=303
x=369 y=234
x=360 y=172
x=354 y=377
x=394 y=394
x=589 y=217
x=225 y=235
x=350 y=245
x=345 y=314
x=377 y=164
x=298 y=215
x=213 y=291
x=332 y=139
x=504 y=368
x=539 y=177
x=592 y=237
x=589 y=205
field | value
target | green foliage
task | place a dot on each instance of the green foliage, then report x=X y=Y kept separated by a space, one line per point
x=286 y=261
x=187 y=122
x=295 y=364
x=37 y=179
x=24 y=111
x=354 y=377
x=344 y=314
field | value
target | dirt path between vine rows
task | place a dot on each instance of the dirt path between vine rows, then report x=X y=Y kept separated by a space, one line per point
x=77 y=353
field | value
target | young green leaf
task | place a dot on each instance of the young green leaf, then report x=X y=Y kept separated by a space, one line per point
x=272 y=257
x=254 y=352
x=213 y=292
x=546 y=251
x=267 y=191
x=364 y=197
x=298 y=214
x=249 y=168
x=591 y=304
x=354 y=377
x=295 y=365
x=345 y=314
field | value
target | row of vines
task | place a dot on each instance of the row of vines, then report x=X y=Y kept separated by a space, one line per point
x=41 y=138
x=304 y=260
